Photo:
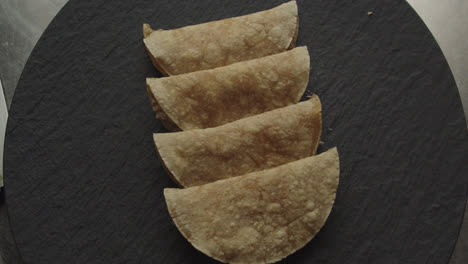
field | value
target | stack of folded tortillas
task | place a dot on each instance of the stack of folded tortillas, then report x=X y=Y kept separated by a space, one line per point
x=255 y=192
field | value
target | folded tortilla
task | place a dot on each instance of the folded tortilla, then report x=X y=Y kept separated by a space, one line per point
x=261 y=217
x=222 y=42
x=218 y=96
x=199 y=156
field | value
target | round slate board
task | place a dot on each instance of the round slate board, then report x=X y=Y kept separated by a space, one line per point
x=84 y=185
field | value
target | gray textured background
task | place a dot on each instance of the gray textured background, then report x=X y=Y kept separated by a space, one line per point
x=23 y=21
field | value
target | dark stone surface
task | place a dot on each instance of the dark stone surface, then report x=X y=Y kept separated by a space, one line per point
x=8 y=251
x=84 y=184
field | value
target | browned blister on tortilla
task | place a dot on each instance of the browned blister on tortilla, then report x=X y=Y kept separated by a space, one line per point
x=218 y=96
x=261 y=217
x=223 y=42
x=199 y=156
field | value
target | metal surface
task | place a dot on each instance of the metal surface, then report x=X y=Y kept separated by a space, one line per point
x=3 y=118
x=23 y=21
x=448 y=22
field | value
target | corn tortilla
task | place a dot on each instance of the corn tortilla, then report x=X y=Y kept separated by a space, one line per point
x=223 y=42
x=261 y=217
x=218 y=96
x=199 y=156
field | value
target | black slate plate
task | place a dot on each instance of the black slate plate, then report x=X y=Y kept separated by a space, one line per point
x=83 y=183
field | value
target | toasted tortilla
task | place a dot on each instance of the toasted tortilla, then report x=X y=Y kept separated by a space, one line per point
x=218 y=96
x=261 y=217
x=223 y=42
x=199 y=156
